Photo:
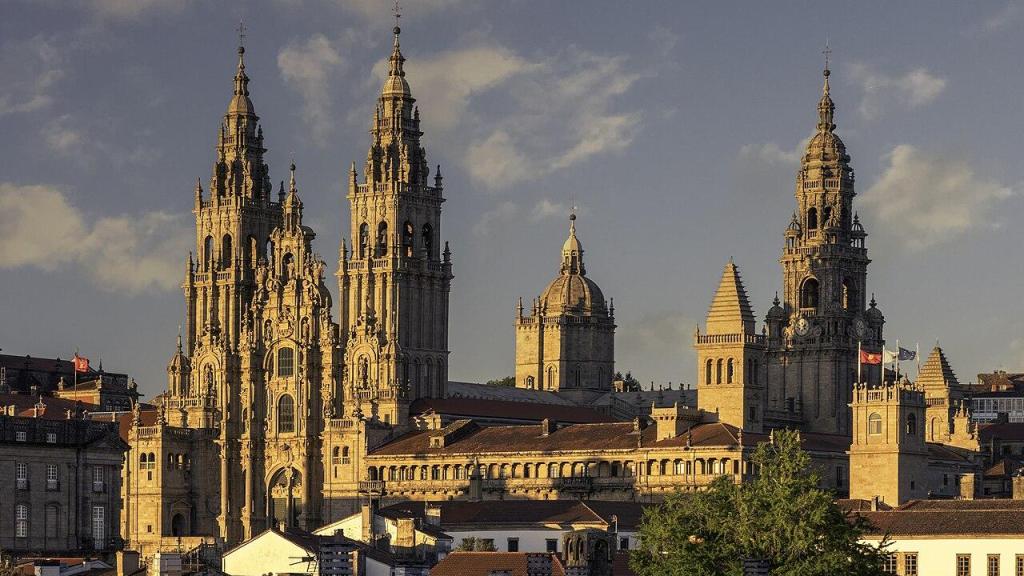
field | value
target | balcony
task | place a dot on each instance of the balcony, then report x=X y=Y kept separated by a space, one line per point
x=52 y=485
x=371 y=487
x=575 y=484
x=21 y=483
x=98 y=486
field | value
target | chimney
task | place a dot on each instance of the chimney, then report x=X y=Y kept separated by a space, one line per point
x=875 y=502
x=1018 y=486
x=127 y=562
x=547 y=426
x=432 y=514
x=967 y=486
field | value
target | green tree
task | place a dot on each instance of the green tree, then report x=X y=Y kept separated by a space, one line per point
x=474 y=544
x=631 y=382
x=506 y=381
x=780 y=516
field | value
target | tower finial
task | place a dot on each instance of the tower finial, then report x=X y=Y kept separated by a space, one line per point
x=179 y=338
x=397 y=11
x=241 y=36
x=828 y=54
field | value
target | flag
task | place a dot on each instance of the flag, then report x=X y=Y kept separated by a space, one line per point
x=81 y=364
x=902 y=355
x=870 y=357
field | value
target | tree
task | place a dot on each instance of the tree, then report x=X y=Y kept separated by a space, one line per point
x=474 y=544
x=630 y=383
x=509 y=381
x=780 y=516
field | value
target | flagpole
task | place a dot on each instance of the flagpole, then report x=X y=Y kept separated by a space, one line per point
x=859 y=380
x=897 y=360
x=917 y=356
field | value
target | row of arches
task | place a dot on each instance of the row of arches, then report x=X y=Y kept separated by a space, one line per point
x=408 y=240
x=910 y=424
x=253 y=252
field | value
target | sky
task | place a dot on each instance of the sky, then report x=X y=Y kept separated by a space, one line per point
x=676 y=128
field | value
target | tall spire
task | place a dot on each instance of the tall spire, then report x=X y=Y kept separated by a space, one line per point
x=826 y=108
x=240 y=103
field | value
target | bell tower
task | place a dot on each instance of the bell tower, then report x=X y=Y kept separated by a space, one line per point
x=394 y=283
x=813 y=334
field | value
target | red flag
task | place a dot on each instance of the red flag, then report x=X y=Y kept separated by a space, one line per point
x=870 y=357
x=81 y=364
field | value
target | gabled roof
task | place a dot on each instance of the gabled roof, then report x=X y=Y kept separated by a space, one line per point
x=538 y=513
x=52 y=408
x=730 y=311
x=521 y=438
x=506 y=410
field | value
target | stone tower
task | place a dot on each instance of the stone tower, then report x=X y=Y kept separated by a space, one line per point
x=888 y=455
x=813 y=334
x=250 y=388
x=730 y=357
x=394 y=284
x=567 y=342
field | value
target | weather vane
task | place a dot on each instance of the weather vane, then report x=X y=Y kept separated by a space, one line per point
x=241 y=33
x=397 y=11
x=827 y=52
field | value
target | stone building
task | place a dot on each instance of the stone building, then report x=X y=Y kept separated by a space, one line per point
x=813 y=333
x=60 y=476
x=567 y=342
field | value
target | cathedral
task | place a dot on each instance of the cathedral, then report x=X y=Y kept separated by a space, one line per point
x=276 y=414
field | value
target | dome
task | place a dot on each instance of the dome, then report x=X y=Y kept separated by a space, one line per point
x=776 y=311
x=873 y=312
x=241 y=104
x=572 y=294
x=179 y=363
x=826 y=146
x=396 y=86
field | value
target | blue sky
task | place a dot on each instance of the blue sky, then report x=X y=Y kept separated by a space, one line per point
x=676 y=128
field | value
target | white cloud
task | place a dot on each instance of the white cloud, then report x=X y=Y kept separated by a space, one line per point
x=132 y=254
x=307 y=68
x=772 y=154
x=545 y=208
x=997 y=21
x=30 y=69
x=61 y=136
x=501 y=212
x=915 y=88
x=926 y=199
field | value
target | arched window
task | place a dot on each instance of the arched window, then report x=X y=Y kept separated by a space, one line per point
x=729 y=372
x=254 y=252
x=848 y=299
x=344 y=455
x=875 y=424
x=21 y=521
x=812 y=219
x=826 y=215
x=718 y=375
x=551 y=378
x=428 y=241
x=226 y=255
x=809 y=294
x=408 y=234
x=530 y=382
x=286 y=414
x=708 y=369
x=911 y=425
x=364 y=239
x=178 y=525
x=207 y=253
x=382 y=239
x=285 y=362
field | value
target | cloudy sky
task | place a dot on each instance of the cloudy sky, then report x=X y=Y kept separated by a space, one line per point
x=675 y=127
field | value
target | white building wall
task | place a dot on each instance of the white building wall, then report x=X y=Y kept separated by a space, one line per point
x=936 y=556
x=529 y=540
x=267 y=553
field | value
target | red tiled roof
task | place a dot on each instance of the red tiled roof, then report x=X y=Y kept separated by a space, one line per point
x=1007 y=432
x=507 y=410
x=124 y=421
x=859 y=505
x=521 y=438
x=484 y=563
x=951 y=517
x=54 y=408
x=524 y=512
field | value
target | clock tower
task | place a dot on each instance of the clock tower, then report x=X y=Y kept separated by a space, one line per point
x=813 y=333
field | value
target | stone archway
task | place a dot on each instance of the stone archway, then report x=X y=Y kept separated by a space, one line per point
x=284 y=498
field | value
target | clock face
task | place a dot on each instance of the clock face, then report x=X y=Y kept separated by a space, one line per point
x=803 y=326
x=860 y=328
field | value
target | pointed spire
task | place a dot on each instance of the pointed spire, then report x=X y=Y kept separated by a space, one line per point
x=240 y=102
x=730 y=311
x=179 y=338
x=826 y=108
x=936 y=371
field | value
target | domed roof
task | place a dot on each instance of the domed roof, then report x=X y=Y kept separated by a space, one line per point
x=776 y=311
x=240 y=102
x=396 y=85
x=572 y=292
x=179 y=362
x=873 y=312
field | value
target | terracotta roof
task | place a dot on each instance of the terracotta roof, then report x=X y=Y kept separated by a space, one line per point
x=951 y=517
x=484 y=563
x=521 y=438
x=523 y=512
x=124 y=422
x=1005 y=468
x=942 y=452
x=507 y=410
x=1007 y=432
x=510 y=393
x=54 y=408
x=859 y=505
